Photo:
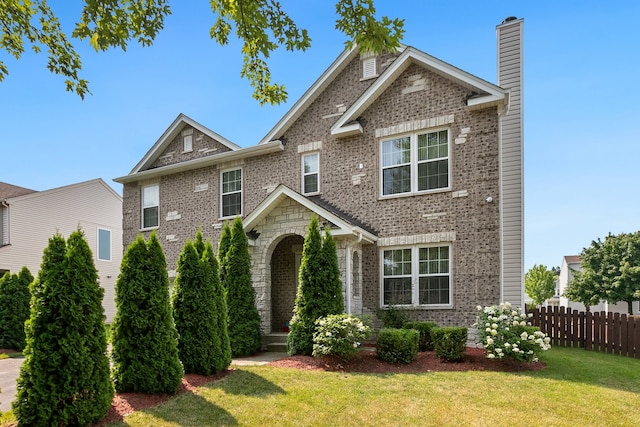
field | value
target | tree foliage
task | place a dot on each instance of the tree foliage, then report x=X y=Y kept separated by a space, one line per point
x=610 y=271
x=540 y=284
x=198 y=303
x=319 y=292
x=64 y=379
x=244 y=319
x=14 y=308
x=262 y=26
x=144 y=336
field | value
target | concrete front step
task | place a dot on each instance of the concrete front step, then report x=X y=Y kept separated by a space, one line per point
x=275 y=341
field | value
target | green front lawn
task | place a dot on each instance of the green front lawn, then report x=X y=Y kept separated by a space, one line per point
x=577 y=388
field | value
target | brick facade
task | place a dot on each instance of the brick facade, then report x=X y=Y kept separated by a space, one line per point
x=461 y=215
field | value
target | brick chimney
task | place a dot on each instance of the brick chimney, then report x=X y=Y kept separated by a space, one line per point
x=509 y=44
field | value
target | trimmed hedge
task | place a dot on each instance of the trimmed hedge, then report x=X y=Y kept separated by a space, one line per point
x=424 y=328
x=449 y=342
x=398 y=346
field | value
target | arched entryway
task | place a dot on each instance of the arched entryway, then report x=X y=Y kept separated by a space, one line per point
x=285 y=262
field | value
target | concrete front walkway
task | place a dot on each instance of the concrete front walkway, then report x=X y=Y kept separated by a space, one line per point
x=10 y=370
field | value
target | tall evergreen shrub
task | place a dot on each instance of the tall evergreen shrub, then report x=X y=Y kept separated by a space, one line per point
x=223 y=248
x=14 y=308
x=244 y=319
x=319 y=292
x=144 y=336
x=64 y=379
x=197 y=308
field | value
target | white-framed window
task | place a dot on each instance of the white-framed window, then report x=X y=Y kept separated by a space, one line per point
x=311 y=173
x=104 y=244
x=415 y=163
x=356 y=284
x=231 y=193
x=150 y=206
x=417 y=276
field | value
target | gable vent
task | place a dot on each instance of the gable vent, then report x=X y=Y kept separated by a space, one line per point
x=369 y=68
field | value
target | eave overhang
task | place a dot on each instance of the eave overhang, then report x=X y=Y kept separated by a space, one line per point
x=342 y=226
x=258 y=150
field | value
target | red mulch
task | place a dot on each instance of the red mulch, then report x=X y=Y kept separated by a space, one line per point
x=474 y=360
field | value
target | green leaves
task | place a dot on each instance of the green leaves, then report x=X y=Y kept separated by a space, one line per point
x=540 y=284
x=357 y=19
x=261 y=25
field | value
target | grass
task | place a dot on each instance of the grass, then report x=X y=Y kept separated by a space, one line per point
x=577 y=388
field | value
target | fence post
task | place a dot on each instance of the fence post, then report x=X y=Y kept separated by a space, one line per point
x=624 y=335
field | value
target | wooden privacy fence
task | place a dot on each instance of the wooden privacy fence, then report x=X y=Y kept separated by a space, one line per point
x=613 y=333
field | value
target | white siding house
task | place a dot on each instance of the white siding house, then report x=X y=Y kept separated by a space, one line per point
x=570 y=264
x=29 y=218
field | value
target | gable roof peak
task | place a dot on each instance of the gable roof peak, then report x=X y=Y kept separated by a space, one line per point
x=172 y=131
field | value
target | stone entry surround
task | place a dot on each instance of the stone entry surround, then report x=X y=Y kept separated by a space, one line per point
x=286 y=223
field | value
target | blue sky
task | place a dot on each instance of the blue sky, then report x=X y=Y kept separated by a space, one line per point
x=581 y=59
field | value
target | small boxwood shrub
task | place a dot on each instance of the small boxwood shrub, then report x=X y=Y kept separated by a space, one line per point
x=397 y=345
x=425 y=342
x=449 y=342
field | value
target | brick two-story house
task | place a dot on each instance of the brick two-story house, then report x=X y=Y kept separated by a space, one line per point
x=414 y=164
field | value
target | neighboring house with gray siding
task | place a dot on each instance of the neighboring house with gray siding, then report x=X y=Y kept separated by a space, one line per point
x=414 y=164
x=29 y=218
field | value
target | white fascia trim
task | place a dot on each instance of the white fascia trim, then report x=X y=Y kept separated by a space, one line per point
x=269 y=202
x=171 y=132
x=311 y=93
x=258 y=150
x=348 y=130
x=410 y=54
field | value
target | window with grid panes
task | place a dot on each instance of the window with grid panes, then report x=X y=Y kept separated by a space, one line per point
x=231 y=199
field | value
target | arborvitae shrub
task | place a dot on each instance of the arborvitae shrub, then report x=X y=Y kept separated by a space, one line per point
x=424 y=328
x=449 y=342
x=66 y=336
x=14 y=308
x=244 y=319
x=196 y=310
x=143 y=333
x=223 y=248
x=319 y=292
x=397 y=345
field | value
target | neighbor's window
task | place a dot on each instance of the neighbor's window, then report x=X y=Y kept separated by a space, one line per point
x=231 y=202
x=419 y=275
x=104 y=244
x=150 y=206
x=415 y=163
x=310 y=173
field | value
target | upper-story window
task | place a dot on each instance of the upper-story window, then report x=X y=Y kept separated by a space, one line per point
x=418 y=275
x=415 y=163
x=150 y=206
x=311 y=173
x=231 y=193
x=104 y=244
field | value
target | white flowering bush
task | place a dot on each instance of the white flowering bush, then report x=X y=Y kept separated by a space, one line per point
x=505 y=332
x=339 y=335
